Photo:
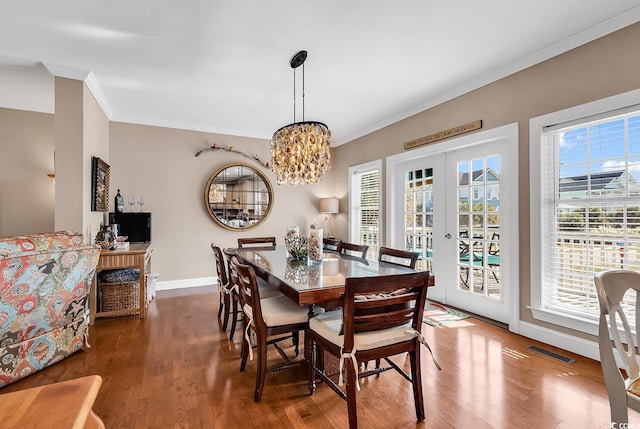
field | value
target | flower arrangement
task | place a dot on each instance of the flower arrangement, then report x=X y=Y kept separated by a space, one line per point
x=297 y=246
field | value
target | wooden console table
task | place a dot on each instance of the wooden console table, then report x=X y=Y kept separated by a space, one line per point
x=67 y=404
x=138 y=255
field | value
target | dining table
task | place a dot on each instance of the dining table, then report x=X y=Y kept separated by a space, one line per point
x=312 y=282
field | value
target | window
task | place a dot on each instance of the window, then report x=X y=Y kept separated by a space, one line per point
x=364 y=201
x=589 y=218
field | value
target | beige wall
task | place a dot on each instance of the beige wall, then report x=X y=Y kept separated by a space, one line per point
x=81 y=131
x=27 y=195
x=605 y=67
x=160 y=164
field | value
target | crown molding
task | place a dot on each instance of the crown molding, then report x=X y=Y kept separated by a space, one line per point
x=88 y=78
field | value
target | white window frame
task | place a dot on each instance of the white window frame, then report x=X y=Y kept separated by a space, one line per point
x=354 y=201
x=536 y=165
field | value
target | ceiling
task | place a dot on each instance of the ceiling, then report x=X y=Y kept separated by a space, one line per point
x=223 y=66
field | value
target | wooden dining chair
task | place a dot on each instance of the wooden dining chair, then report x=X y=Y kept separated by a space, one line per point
x=266 y=291
x=403 y=258
x=370 y=329
x=614 y=332
x=224 y=288
x=331 y=244
x=257 y=242
x=354 y=250
x=268 y=319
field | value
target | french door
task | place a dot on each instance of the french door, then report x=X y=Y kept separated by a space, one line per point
x=457 y=207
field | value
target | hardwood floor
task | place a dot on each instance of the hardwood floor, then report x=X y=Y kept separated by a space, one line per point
x=177 y=369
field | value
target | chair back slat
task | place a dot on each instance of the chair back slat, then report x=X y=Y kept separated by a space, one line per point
x=221 y=266
x=331 y=244
x=400 y=299
x=372 y=301
x=403 y=258
x=245 y=279
x=257 y=242
x=229 y=253
x=352 y=249
x=379 y=321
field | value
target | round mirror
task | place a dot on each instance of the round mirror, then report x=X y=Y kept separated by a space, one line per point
x=238 y=197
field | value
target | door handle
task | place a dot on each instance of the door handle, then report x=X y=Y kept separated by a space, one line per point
x=447 y=236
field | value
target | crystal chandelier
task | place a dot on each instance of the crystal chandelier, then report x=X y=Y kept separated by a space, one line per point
x=300 y=151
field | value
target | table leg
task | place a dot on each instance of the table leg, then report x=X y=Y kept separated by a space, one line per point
x=311 y=312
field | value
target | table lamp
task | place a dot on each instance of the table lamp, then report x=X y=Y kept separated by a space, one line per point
x=329 y=206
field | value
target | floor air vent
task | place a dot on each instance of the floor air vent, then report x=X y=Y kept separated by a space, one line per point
x=551 y=354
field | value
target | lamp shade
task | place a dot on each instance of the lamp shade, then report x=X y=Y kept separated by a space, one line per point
x=329 y=205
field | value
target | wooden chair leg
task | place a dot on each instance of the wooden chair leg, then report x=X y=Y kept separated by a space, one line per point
x=244 y=351
x=225 y=322
x=295 y=338
x=311 y=352
x=234 y=318
x=262 y=367
x=351 y=395
x=221 y=302
x=416 y=380
x=319 y=362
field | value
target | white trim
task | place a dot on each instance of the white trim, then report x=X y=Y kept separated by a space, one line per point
x=96 y=90
x=367 y=166
x=536 y=128
x=88 y=78
x=507 y=132
x=561 y=340
x=576 y=323
x=67 y=72
x=185 y=283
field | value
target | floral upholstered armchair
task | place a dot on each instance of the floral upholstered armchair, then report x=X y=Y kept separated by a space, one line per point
x=44 y=312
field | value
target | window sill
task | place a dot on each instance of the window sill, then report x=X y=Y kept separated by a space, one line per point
x=576 y=323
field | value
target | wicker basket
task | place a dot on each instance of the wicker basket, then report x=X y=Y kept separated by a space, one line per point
x=120 y=296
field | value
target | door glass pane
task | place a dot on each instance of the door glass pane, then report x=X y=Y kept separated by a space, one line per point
x=479 y=226
x=419 y=215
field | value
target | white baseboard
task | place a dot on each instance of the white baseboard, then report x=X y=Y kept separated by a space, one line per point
x=185 y=283
x=561 y=340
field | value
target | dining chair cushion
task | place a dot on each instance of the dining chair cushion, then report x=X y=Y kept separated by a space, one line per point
x=329 y=325
x=634 y=387
x=280 y=311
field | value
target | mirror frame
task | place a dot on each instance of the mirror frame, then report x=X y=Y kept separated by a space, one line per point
x=208 y=204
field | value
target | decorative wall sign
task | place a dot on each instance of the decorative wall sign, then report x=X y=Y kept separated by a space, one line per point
x=460 y=129
x=99 y=185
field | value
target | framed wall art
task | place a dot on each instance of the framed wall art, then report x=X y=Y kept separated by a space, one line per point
x=99 y=185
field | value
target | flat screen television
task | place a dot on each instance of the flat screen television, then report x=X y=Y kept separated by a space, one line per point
x=135 y=225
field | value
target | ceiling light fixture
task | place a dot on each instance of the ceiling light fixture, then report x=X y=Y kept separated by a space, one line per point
x=300 y=151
